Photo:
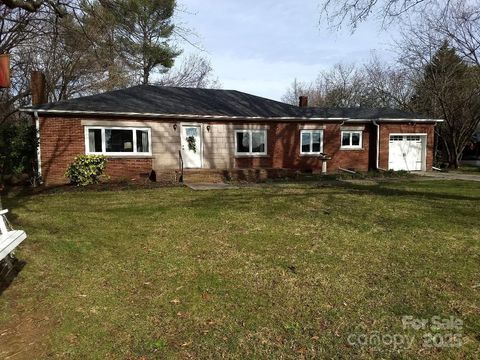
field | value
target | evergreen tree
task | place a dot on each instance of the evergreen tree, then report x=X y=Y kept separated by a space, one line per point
x=144 y=29
x=449 y=89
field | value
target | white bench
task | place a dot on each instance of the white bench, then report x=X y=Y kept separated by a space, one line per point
x=9 y=239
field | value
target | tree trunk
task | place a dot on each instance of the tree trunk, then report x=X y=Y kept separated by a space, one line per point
x=454 y=156
x=146 y=76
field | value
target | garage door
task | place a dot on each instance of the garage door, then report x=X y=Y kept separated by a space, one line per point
x=406 y=152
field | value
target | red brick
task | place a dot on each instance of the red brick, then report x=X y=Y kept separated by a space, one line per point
x=387 y=129
x=284 y=151
x=61 y=140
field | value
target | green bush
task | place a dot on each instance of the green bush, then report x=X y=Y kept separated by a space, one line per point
x=86 y=169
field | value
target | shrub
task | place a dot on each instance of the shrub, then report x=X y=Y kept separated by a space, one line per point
x=18 y=149
x=86 y=169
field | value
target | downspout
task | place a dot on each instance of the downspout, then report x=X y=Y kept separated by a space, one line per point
x=378 y=145
x=39 y=157
x=434 y=150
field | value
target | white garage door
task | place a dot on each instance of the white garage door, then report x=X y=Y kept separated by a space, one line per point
x=406 y=152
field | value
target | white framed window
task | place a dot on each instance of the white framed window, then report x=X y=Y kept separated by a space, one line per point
x=251 y=142
x=311 y=142
x=121 y=141
x=351 y=139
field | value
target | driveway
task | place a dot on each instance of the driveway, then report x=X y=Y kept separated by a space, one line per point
x=450 y=175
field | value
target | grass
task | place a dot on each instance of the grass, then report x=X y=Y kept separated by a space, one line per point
x=469 y=169
x=273 y=271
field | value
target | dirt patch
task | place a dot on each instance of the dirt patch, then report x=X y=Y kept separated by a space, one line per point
x=24 y=337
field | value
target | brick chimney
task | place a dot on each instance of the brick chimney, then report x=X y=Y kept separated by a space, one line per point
x=303 y=101
x=38 y=88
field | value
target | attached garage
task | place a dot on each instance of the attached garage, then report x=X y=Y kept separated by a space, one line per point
x=407 y=152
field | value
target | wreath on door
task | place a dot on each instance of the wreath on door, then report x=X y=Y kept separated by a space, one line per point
x=192 y=144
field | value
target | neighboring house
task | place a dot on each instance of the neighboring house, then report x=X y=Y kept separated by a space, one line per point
x=145 y=128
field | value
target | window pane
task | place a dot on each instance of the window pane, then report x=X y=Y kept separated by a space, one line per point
x=355 y=139
x=258 y=141
x=243 y=142
x=316 y=141
x=119 y=140
x=306 y=142
x=192 y=131
x=346 y=139
x=142 y=141
x=95 y=140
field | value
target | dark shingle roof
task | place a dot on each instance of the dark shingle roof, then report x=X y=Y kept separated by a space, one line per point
x=361 y=113
x=176 y=100
x=160 y=100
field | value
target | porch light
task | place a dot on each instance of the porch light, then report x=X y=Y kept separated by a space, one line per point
x=208 y=128
x=175 y=127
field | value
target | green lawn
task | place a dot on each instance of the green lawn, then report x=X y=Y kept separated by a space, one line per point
x=274 y=271
x=469 y=169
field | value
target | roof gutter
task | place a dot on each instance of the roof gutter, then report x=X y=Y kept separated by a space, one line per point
x=213 y=117
x=175 y=116
x=407 y=119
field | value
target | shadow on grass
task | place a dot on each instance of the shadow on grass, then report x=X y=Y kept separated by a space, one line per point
x=381 y=190
x=334 y=188
x=8 y=275
x=437 y=191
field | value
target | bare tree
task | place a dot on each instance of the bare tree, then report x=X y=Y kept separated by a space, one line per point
x=342 y=86
x=299 y=88
x=375 y=84
x=17 y=27
x=195 y=71
x=460 y=24
x=388 y=85
x=339 y=86
x=33 y=6
x=354 y=12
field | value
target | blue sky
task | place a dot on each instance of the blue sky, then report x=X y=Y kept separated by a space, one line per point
x=261 y=46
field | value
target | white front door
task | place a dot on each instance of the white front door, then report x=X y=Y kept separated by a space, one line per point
x=406 y=152
x=191 y=143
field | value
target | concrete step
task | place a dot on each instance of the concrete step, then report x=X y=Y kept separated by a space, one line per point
x=203 y=176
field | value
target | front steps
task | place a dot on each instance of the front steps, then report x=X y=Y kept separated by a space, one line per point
x=207 y=176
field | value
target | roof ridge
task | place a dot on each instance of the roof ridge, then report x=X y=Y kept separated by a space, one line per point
x=264 y=98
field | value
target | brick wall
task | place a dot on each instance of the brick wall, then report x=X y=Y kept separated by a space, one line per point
x=62 y=139
x=284 y=150
x=128 y=169
x=387 y=129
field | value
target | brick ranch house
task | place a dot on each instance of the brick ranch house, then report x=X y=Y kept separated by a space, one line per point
x=145 y=128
